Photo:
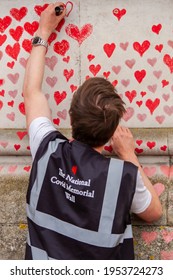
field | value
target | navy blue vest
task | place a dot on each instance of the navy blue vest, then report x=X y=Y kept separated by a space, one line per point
x=78 y=203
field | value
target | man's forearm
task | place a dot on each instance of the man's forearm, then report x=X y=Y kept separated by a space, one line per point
x=35 y=69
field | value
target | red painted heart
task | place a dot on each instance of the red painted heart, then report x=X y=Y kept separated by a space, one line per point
x=61 y=47
x=4 y=23
x=27 y=45
x=16 y=33
x=68 y=74
x=156 y=28
x=119 y=13
x=131 y=95
x=79 y=35
x=31 y=28
x=19 y=14
x=152 y=104
x=168 y=61
x=59 y=97
x=139 y=75
x=141 y=48
x=94 y=69
x=22 y=108
x=13 y=51
x=39 y=9
x=109 y=49
x=2 y=39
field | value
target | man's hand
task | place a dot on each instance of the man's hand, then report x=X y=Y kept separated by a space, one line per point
x=122 y=143
x=49 y=20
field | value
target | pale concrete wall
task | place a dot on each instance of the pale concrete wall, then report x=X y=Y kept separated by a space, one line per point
x=130 y=43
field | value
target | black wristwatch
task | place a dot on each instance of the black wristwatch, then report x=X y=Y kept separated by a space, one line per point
x=37 y=41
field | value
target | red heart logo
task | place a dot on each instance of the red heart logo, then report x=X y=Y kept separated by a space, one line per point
x=19 y=14
x=152 y=105
x=16 y=33
x=119 y=13
x=109 y=49
x=156 y=28
x=68 y=74
x=4 y=23
x=39 y=9
x=13 y=51
x=31 y=28
x=94 y=69
x=139 y=75
x=2 y=39
x=141 y=49
x=131 y=95
x=61 y=47
x=168 y=61
x=79 y=35
x=59 y=97
x=74 y=169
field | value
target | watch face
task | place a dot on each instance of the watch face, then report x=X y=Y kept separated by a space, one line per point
x=36 y=40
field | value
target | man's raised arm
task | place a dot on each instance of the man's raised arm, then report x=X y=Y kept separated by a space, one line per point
x=36 y=104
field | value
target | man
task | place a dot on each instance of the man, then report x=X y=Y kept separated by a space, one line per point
x=78 y=201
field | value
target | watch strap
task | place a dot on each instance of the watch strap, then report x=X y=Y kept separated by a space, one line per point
x=38 y=41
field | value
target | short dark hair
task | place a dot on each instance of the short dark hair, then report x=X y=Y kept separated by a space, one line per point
x=95 y=112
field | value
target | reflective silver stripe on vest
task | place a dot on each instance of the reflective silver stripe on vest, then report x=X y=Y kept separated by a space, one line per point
x=41 y=171
x=111 y=195
x=100 y=239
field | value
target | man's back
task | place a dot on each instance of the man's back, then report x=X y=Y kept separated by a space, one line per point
x=76 y=203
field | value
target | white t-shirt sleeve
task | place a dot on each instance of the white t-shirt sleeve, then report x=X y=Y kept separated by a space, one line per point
x=142 y=197
x=38 y=129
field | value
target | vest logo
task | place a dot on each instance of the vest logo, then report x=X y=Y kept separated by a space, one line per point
x=68 y=183
x=74 y=169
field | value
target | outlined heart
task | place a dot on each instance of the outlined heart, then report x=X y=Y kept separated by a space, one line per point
x=79 y=35
x=152 y=104
x=19 y=14
x=51 y=81
x=119 y=13
x=61 y=47
x=130 y=63
x=109 y=49
x=59 y=97
x=168 y=61
x=141 y=48
x=4 y=23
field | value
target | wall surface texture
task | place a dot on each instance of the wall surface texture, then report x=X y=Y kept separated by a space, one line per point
x=129 y=42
